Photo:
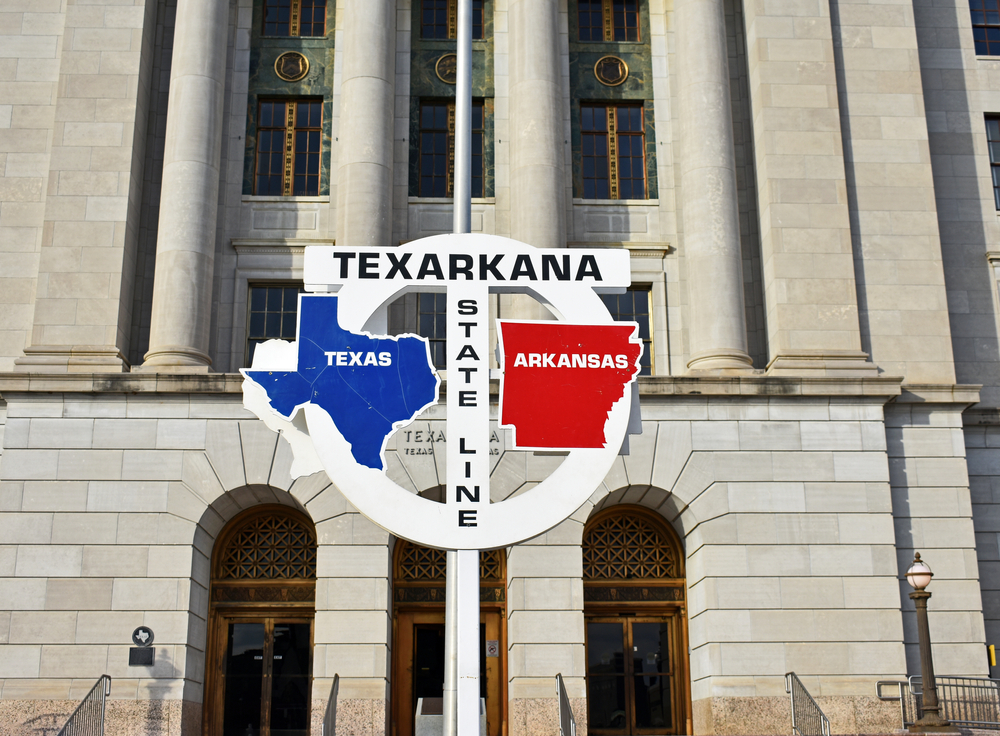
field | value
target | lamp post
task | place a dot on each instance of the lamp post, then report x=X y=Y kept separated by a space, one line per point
x=919 y=577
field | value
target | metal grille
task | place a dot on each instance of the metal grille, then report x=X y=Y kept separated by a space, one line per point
x=270 y=548
x=567 y=723
x=625 y=547
x=88 y=718
x=422 y=563
x=973 y=702
x=807 y=718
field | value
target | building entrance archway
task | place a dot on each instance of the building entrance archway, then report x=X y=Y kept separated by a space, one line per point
x=418 y=634
x=635 y=611
x=260 y=639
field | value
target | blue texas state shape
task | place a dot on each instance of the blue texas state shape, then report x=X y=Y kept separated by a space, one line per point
x=368 y=385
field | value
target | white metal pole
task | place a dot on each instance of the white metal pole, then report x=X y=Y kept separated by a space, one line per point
x=462 y=183
x=468 y=642
x=461 y=689
x=449 y=708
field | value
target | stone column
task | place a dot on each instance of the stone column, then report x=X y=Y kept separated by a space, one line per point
x=364 y=173
x=185 y=240
x=537 y=179
x=711 y=246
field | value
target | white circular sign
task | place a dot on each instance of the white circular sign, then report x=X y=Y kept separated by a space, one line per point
x=468 y=267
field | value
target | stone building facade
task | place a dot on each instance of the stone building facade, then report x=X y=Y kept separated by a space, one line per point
x=808 y=193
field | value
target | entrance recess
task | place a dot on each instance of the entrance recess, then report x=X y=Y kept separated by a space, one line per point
x=636 y=625
x=418 y=634
x=259 y=674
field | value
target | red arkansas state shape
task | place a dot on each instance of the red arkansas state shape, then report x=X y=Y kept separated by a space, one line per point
x=561 y=380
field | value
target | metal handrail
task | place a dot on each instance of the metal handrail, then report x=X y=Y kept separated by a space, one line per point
x=567 y=723
x=330 y=717
x=88 y=718
x=808 y=718
x=973 y=702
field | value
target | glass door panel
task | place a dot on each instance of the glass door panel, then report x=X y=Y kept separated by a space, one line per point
x=651 y=673
x=244 y=679
x=267 y=678
x=606 y=679
x=290 y=679
x=630 y=684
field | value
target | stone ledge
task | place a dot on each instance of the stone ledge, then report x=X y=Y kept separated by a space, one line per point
x=649 y=386
x=938 y=393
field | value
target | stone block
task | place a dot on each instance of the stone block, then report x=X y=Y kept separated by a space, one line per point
x=127 y=496
x=25 y=528
x=114 y=561
x=545 y=627
x=19 y=661
x=354 y=627
x=79 y=594
x=42 y=627
x=125 y=433
x=355 y=562
x=90 y=464
x=39 y=561
x=84 y=528
x=54 y=496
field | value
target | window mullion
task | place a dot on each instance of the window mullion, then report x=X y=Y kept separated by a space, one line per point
x=450 y=186
x=609 y=21
x=453 y=18
x=289 y=146
x=612 y=152
x=294 y=14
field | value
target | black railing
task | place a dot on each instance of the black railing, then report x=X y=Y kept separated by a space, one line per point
x=973 y=702
x=807 y=717
x=88 y=718
x=567 y=723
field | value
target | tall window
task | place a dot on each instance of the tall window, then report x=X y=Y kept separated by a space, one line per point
x=633 y=306
x=608 y=20
x=439 y=19
x=288 y=147
x=613 y=152
x=993 y=140
x=437 y=149
x=273 y=315
x=986 y=26
x=294 y=17
x=432 y=324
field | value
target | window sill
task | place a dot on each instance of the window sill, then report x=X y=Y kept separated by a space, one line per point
x=618 y=202
x=254 y=198
x=448 y=200
x=995 y=57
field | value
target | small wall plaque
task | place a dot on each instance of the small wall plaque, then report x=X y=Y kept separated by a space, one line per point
x=291 y=66
x=611 y=71
x=492 y=648
x=447 y=68
x=141 y=656
x=142 y=636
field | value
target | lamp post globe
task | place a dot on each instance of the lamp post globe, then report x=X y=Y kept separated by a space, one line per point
x=919 y=577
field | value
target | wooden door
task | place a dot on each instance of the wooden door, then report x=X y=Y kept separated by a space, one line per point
x=264 y=676
x=632 y=667
x=419 y=666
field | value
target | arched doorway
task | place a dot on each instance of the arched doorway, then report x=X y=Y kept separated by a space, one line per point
x=636 y=625
x=261 y=611
x=418 y=634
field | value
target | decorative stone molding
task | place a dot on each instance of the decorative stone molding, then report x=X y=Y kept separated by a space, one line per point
x=72 y=359
x=822 y=363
